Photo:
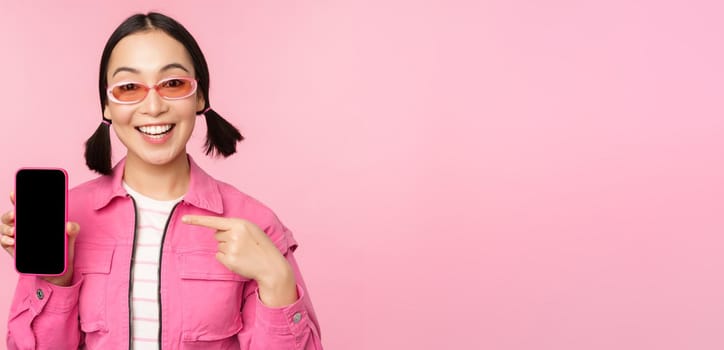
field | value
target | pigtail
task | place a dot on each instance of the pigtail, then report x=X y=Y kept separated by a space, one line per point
x=98 y=149
x=221 y=136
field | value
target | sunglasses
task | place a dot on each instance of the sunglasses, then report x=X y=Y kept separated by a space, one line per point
x=171 y=88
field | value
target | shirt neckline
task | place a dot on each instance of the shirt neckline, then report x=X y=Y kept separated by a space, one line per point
x=142 y=197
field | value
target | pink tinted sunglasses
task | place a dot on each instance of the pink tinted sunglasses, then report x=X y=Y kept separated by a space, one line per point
x=171 y=88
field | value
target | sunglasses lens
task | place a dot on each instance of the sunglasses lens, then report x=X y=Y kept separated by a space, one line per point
x=129 y=92
x=176 y=88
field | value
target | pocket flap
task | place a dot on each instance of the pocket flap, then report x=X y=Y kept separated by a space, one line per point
x=202 y=265
x=201 y=335
x=88 y=327
x=91 y=258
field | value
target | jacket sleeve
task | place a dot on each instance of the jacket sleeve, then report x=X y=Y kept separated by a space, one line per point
x=43 y=315
x=290 y=327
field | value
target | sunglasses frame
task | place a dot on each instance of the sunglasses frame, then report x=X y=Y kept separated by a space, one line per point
x=194 y=87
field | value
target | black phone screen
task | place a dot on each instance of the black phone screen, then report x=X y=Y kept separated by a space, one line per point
x=40 y=215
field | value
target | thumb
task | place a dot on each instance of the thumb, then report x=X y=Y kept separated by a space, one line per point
x=72 y=229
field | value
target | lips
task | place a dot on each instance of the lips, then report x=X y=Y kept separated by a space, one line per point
x=155 y=131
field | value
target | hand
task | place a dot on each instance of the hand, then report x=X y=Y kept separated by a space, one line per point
x=7 y=228
x=7 y=240
x=247 y=251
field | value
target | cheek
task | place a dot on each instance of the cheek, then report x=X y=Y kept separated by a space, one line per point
x=189 y=125
x=119 y=114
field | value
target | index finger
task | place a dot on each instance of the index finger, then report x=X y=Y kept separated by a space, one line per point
x=12 y=197
x=8 y=217
x=214 y=222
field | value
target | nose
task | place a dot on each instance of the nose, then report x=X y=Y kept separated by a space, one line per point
x=153 y=105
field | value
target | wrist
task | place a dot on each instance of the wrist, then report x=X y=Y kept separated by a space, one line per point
x=278 y=288
x=62 y=281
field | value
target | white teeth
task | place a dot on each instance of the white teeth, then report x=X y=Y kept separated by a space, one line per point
x=155 y=130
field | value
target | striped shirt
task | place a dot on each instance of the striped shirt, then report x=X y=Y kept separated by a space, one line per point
x=151 y=222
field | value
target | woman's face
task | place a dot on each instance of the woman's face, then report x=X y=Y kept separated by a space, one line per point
x=154 y=130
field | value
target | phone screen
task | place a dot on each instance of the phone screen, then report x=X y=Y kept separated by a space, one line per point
x=40 y=216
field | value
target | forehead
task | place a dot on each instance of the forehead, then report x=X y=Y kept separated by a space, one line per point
x=148 y=52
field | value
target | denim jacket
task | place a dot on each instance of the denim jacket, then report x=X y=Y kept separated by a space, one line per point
x=203 y=305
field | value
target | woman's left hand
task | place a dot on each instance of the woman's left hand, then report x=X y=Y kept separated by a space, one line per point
x=247 y=251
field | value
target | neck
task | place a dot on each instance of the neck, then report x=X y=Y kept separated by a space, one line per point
x=162 y=182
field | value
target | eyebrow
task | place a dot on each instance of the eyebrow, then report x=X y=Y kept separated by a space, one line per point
x=136 y=71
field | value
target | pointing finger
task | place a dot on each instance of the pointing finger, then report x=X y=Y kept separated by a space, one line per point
x=214 y=222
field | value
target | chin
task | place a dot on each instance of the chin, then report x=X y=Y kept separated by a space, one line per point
x=161 y=158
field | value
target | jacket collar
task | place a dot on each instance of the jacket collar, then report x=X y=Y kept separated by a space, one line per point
x=203 y=190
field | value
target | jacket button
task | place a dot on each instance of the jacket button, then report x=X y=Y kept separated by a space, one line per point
x=39 y=294
x=297 y=317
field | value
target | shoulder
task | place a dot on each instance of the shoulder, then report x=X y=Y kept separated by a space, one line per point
x=87 y=189
x=237 y=201
x=241 y=205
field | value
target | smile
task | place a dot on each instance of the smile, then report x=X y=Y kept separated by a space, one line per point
x=155 y=131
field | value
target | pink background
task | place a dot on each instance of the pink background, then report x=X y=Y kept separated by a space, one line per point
x=463 y=175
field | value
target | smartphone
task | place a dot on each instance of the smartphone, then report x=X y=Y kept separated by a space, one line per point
x=41 y=201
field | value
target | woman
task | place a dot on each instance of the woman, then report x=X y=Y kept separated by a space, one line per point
x=161 y=255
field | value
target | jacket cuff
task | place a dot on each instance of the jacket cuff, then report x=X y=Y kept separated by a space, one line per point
x=290 y=319
x=59 y=299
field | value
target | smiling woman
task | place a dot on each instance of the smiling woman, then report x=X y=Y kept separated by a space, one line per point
x=165 y=259
x=132 y=61
x=152 y=58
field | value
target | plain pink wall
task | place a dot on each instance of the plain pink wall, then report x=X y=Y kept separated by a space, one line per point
x=461 y=175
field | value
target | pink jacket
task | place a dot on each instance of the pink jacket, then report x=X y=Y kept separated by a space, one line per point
x=203 y=305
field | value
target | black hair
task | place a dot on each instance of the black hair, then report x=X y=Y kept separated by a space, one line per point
x=221 y=136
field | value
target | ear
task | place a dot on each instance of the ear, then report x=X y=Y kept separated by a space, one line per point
x=200 y=101
x=106 y=112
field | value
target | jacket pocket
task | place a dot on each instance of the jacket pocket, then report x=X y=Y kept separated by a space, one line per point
x=93 y=262
x=212 y=298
